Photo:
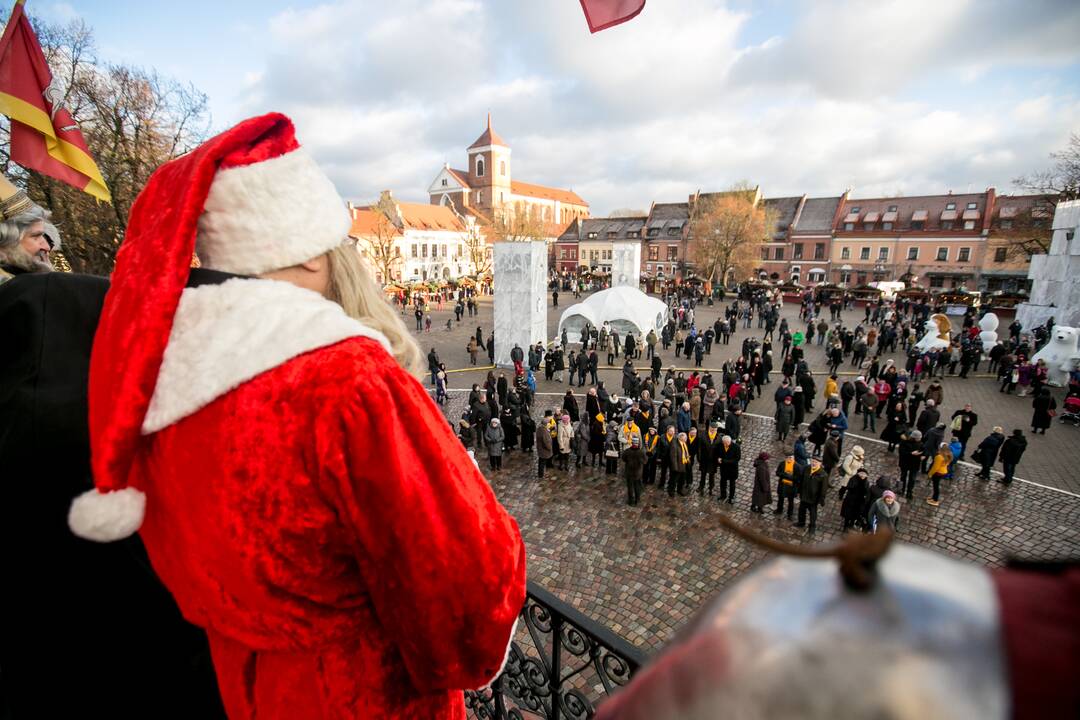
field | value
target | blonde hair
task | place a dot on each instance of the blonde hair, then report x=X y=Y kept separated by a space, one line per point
x=353 y=289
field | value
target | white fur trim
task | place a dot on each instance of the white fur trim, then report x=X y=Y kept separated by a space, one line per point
x=270 y=215
x=506 y=655
x=106 y=517
x=224 y=335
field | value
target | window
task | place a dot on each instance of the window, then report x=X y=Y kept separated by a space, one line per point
x=864 y=254
x=1005 y=224
x=849 y=226
x=937 y=281
x=765 y=253
x=796 y=252
x=672 y=253
x=950 y=206
x=594 y=255
x=855 y=210
x=946 y=225
x=913 y=253
x=606 y=255
x=969 y=224
x=648 y=267
x=942 y=254
x=444 y=182
x=612 y=233
x=845 y=277
x=654 y=253
x=883 y=253
x=502 y=197
x=480 y=197
x=479 y=167
x=861 y=278
x=423 y=250
x=591 y=236
x=397 y=251
x=918 y=224
x=562 y=253
x=845 y=253
x=445 y=250
x=819 y=251
x=892 y=208
x=779 y=254
x=999 y=254
x=886 y=226
x=502 y=167
x=972 y=206
x=634 y=234
x=1038 y=222
x=414 y=250
x=868 y=227
x=653 y=232
x=964 y=255
x=674 y=231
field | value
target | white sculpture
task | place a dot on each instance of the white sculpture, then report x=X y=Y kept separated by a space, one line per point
x=1061 y=354
x=988 y=325
x=937 y=334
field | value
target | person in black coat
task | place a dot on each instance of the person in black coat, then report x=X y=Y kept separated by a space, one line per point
x=570 y=405
x=1043 y=404
x=811 y=493
x=853 y=497
x=727 y=457
x=1011 y=451
x=86 y=629
x=707 y=444
x=633 y=459
x=986 y=453
x=910 y=458
x=762 y=492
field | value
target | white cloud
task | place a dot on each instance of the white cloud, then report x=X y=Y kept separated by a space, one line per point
x=883 y=97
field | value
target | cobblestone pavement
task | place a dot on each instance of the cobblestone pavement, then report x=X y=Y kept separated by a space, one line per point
x=645 y=570
x=1052 y=459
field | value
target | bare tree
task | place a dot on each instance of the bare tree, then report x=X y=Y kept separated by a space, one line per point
x=518 y=227
x=1030 y=232
x=725 y=234
x=133 y=121
x=378 y=245
x=477 y=247
x=1060 y=181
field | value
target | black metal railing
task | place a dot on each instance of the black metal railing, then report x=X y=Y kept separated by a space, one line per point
x=568 y=664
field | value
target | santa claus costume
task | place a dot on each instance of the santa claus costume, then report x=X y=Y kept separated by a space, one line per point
x=297 y=490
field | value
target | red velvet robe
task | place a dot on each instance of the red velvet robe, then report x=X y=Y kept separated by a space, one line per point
x=319 y=519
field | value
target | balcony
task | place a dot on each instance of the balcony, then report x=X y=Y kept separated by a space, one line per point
x=561 y=666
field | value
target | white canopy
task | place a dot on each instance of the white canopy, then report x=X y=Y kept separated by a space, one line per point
x=623 y=308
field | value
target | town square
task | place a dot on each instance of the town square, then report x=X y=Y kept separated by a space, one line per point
x=603 y=359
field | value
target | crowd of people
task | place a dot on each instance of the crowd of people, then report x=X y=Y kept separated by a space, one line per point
x=679 y=430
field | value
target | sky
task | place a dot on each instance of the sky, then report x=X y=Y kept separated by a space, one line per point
x=885 y=97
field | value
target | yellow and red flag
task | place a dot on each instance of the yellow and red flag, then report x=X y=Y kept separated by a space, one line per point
x=44 y=136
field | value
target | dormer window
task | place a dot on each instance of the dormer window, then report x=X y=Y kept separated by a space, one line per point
x=950 y=206
x=592 y=236
x=444 y=182
x=479 y=167
x=673 y=231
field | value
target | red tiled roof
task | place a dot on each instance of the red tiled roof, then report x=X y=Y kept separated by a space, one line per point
x=488 y=137
x=462 y=176
x=422 y=216
x=546 y=193
x=365 y=222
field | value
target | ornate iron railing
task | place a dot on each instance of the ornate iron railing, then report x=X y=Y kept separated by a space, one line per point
x=567 y=666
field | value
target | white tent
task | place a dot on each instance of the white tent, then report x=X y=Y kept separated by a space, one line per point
x=622 y=308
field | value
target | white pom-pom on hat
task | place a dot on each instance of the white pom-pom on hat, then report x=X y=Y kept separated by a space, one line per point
x=107 y=517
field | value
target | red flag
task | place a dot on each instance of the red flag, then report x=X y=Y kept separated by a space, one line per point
x=602 y=14
x=44 y=136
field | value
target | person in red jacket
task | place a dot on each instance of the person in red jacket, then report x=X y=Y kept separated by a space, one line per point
x=296 y=488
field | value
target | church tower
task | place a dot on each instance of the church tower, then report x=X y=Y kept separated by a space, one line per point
x=489 y=171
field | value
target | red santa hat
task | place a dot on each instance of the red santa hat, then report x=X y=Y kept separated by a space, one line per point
x=248 y=201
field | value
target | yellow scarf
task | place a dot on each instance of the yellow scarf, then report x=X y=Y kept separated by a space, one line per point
x=685 y=452
x=630 y=428
x=652 y=445
x=712 y=435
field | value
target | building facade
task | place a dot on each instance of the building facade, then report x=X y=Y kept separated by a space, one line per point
x=421 y=242
x=486 y=189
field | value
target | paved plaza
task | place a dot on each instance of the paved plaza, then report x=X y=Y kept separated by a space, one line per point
x=645 y=570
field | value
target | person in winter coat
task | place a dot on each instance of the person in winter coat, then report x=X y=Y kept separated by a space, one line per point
x=633 y=460
x=853 y=498
x=493 y=438
x=597 y=438
x=1011 y=451
x=896 y=427
x=727 y=455
x=528 y=430
x=785 y=418
x=679 y=463
x=852 y=463
x=830 y=456
x=884 y=512
x=811 y=493
x=787 y=477
x=869 y=404
x=801 y=452
x=1044 y=404
x=939 y=470
x=564 y=437
x=932 y=438
x=570 y=405
x=799 y=405
x=986 y=453
x=611 y=449
x=762 y=492
x=545 y=446
x=707 y=445
x=910 y=459
x=581 y=441
x=510 y=429
x=936 y=393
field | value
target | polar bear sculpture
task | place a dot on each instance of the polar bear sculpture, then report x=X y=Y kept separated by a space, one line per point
x=1060 y=354
x=937 y=334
